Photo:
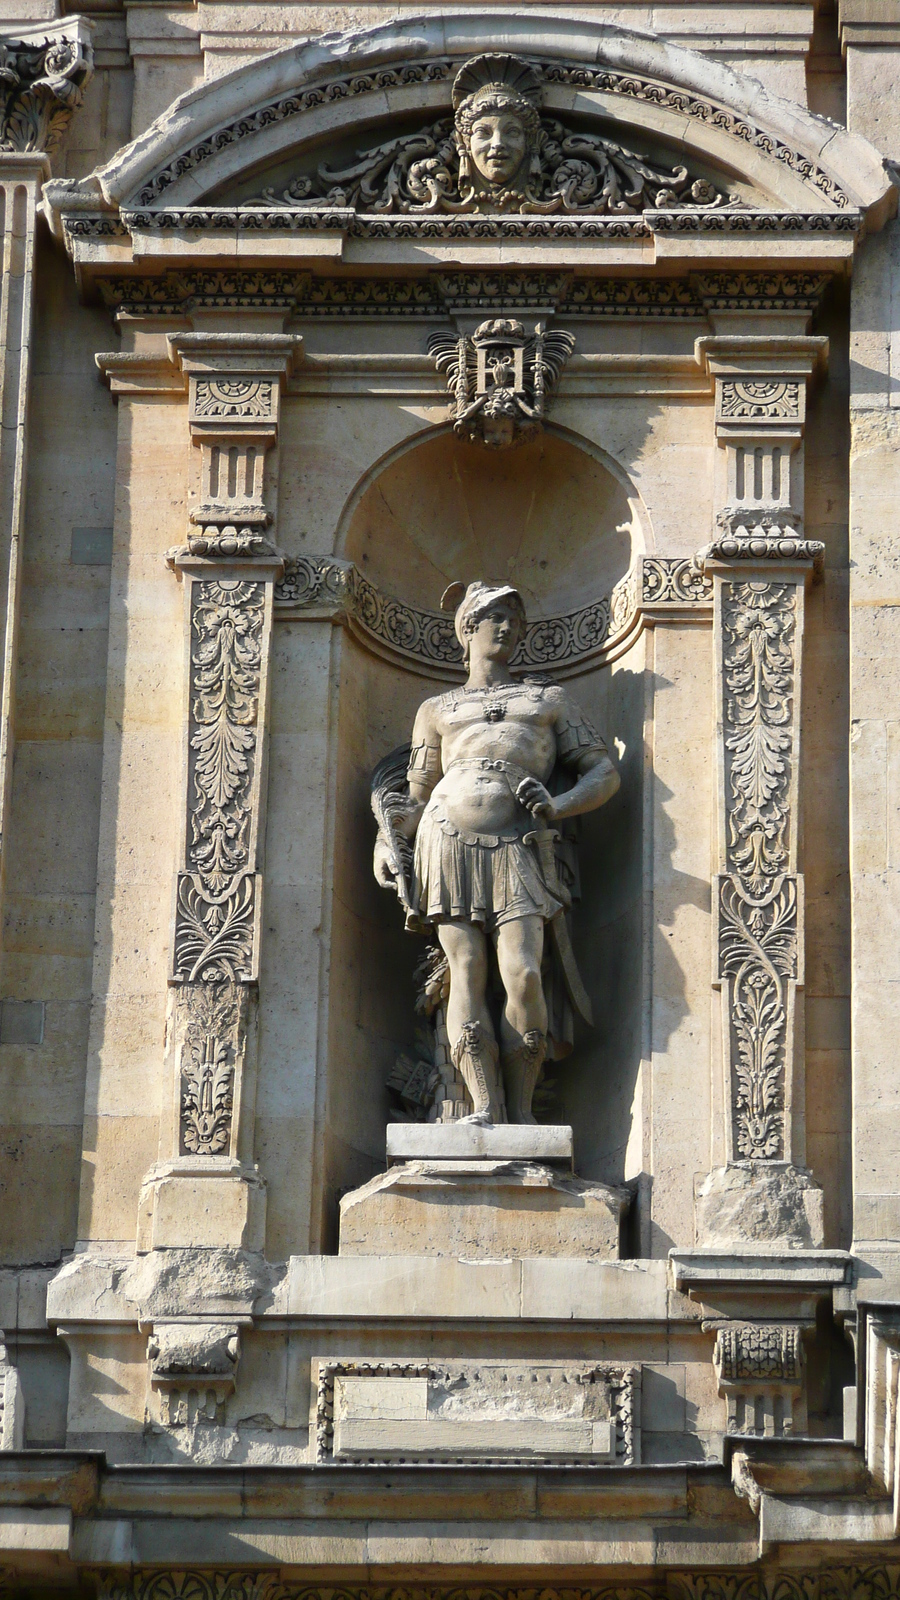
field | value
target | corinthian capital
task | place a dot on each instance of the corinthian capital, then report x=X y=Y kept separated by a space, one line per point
x=43 y=73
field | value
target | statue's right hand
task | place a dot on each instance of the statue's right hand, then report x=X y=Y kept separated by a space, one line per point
x=385 y=871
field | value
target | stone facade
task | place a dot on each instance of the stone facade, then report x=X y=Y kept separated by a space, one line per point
x=468 y=433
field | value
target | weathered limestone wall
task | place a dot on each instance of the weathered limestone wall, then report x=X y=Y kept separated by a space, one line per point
x=52 y=843
x=872 y=109
x=142 y=752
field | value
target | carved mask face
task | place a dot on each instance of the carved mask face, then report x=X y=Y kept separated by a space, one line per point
x=498 y=144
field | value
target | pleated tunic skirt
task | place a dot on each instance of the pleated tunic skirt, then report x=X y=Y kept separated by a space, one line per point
x=476 y=877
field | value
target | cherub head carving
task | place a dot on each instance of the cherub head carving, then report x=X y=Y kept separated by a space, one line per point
x=498 y=127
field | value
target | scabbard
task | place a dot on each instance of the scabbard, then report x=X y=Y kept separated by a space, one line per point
x=543 y=840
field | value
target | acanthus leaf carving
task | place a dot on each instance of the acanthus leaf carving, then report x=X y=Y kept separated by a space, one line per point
x=758 y=894
x=214 y=930
x=42 y=82
x=208 y=1018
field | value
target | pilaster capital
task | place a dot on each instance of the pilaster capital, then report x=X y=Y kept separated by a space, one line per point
x=235 y=380
x=45 y=70
x=761 y=383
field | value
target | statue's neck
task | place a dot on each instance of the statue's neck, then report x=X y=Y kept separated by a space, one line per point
x=487 y=674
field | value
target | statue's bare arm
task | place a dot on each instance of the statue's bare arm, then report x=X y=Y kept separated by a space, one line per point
x=425 y=770
x=597 y=782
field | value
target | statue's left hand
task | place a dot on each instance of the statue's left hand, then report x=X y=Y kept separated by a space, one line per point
x=536 y=799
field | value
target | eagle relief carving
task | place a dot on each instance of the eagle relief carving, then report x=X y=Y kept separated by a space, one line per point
x=498 y=154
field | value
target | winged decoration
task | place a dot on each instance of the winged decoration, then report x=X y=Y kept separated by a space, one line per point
x=500 y=378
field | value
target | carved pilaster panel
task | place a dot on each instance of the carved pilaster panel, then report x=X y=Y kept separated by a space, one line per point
x=759 y=893
x=216 y=908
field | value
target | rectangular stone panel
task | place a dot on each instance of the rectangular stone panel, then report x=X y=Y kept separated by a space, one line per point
x=370 y=1411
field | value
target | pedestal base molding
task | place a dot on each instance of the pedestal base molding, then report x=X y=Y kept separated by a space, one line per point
x=482 y=1210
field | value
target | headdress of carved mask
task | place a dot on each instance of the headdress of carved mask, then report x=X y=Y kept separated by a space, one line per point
x=472 y=604
x=498 y=126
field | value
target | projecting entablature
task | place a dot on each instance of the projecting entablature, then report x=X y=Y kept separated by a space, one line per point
x=475 y=139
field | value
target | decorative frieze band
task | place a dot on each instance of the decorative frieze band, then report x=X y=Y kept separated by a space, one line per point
x=878 y=1579
x=425 y=640
x=309 y=296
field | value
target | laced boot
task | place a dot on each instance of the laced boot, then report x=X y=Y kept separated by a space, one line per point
x=475 y=1056
x=521 y=1070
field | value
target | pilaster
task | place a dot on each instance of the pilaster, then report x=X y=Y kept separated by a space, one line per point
x=761 y=565
x=45 y=71
x=205 y=1189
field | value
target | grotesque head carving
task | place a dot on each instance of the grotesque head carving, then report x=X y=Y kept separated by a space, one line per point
x=498 y=126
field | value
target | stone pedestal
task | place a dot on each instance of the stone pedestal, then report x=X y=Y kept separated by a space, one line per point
x=482 y=1209
x=466 y=1141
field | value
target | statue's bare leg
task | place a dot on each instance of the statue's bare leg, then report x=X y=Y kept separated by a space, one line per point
x=523 y=1026
x=472 y=1043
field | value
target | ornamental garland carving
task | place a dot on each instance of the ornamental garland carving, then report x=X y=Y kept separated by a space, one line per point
x=629 y=86
x=497 y=154
x=758 y=894
x=41 y=83
x=427 y=637
x=217 y=892
x=758 y=625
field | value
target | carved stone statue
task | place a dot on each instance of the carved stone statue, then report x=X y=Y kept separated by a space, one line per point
x=489 y=870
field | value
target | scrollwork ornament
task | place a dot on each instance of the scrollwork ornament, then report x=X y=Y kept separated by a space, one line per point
x=534 y=165
x=41 y=83
x=216 y=892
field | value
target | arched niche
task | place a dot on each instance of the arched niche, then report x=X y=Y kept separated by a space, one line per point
x=562 y=521
x=554 y=517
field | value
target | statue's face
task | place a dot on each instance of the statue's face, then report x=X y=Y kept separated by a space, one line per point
x=497 y=634
x=498 y=145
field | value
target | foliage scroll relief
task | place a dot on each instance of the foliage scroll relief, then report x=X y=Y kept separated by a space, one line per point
x=228 y=569
x=760 y=562
x=758 y=896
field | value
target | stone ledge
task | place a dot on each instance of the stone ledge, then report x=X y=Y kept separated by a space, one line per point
x=466 y=1141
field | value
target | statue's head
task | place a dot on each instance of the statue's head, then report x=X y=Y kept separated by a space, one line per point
x=498 y=126
x=492 y=614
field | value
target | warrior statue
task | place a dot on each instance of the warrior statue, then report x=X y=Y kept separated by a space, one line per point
x=486 y=863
